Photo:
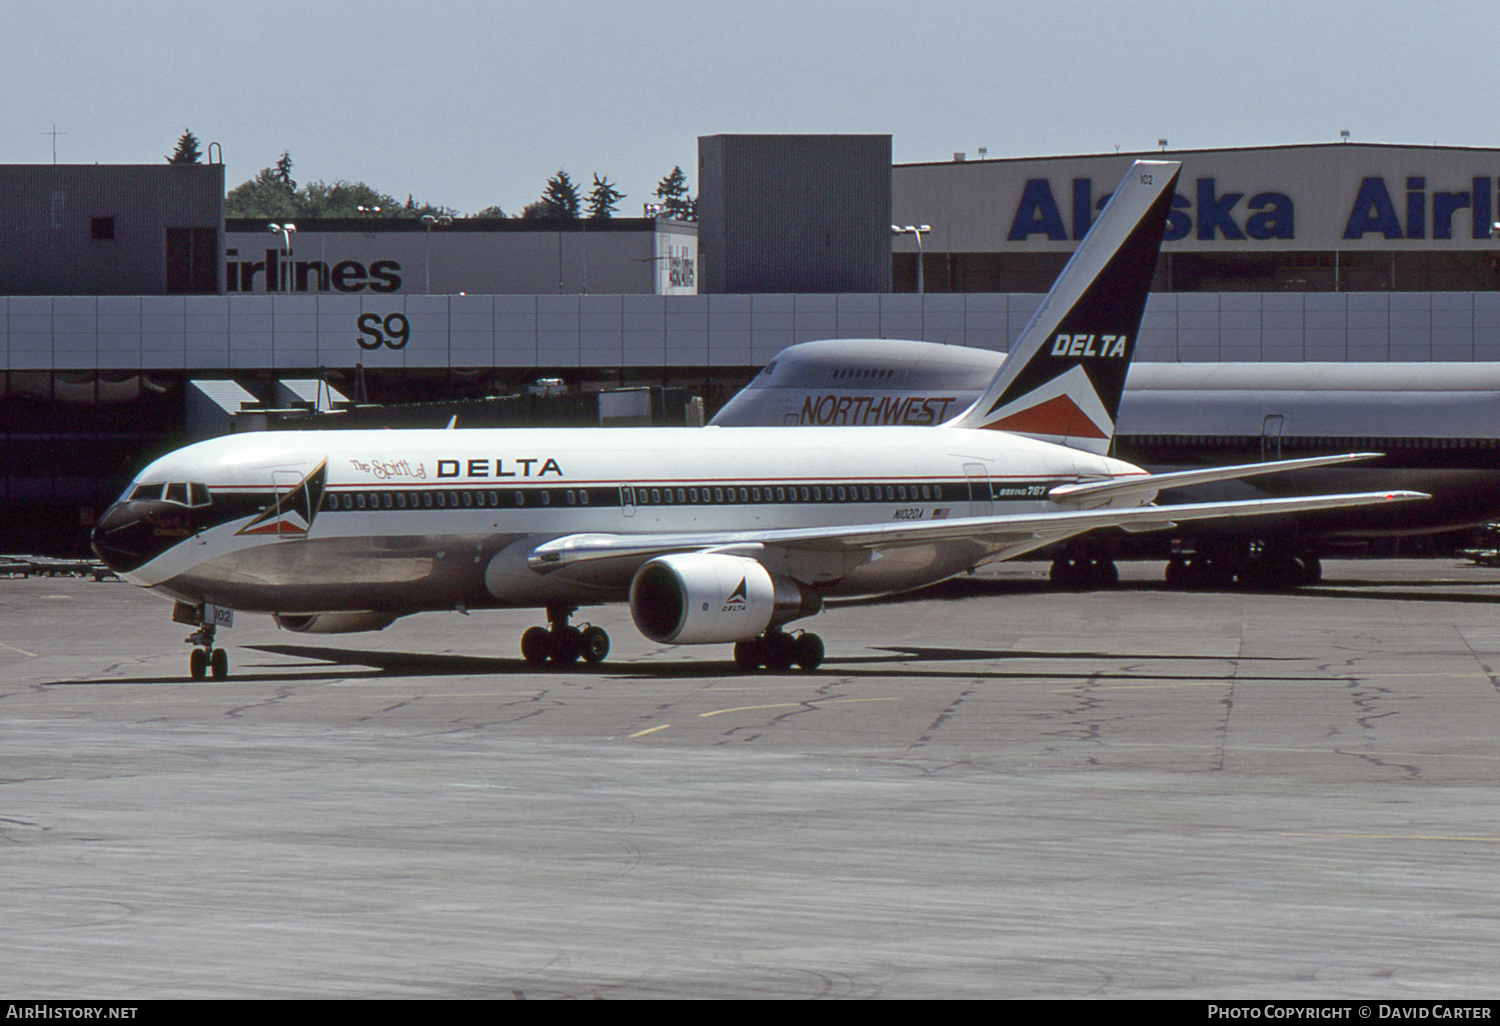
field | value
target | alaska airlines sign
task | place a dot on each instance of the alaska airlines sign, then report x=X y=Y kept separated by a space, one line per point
x=1211 y=212
x=1375 y=211
x=277 y=273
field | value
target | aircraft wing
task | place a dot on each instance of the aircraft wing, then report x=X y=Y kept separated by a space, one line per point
x=1140 y=484
x=997 y=530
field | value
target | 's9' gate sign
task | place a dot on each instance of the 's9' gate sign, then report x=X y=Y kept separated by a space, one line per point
x=392 y=331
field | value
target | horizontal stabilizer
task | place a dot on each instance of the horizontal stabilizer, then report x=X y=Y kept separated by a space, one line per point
x=1140 y=484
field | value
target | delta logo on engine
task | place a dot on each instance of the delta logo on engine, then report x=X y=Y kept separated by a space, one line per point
x=737 y=602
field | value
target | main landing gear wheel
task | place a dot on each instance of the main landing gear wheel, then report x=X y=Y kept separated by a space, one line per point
x=779 y=652
x=563 y=644
x=595 y=644
x=1083 y=572
x=536 y=645
x=1257 y=565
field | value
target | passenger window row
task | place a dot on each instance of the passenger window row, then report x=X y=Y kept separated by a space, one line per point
x=1318 y=442
x=469 y=498
x=752 y=494
x=476 y=498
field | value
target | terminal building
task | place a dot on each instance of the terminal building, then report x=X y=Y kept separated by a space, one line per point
x=135 y=317
x=473 y=256
x=1334 y=218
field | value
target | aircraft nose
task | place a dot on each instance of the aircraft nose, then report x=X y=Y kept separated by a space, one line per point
x=114 y=537
x=130 y=533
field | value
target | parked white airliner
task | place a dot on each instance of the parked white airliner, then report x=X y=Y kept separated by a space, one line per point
x=711 y=534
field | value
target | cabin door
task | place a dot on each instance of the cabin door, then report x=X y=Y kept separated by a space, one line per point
x=1270 y=436
x=981 y=501
x=292 y=505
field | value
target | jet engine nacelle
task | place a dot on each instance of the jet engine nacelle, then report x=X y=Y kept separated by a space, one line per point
x=333 y=623
x=701 y=598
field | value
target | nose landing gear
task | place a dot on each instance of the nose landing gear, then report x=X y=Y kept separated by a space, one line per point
x=205 y=658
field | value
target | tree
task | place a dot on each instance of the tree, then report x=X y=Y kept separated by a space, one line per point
x=559 y=201
x=283 y=174
x=273 y=194
x=603 y=199
x=187 y=151
x=673 y=193
x=493 y=211
x=344 y=199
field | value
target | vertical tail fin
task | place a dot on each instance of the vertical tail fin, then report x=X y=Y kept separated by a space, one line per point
x=1063 y=378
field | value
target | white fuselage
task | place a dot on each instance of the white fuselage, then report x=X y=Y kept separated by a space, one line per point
x=408 y=520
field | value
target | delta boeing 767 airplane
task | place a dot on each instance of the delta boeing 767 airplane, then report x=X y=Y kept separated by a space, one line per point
x=712 y=535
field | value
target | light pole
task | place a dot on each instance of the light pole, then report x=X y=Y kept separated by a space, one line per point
x=916 y=231
x=285 y=231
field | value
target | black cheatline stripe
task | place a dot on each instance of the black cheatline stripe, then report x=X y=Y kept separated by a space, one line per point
x=343 y=499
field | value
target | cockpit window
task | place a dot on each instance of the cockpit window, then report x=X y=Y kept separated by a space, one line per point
x=194 y=493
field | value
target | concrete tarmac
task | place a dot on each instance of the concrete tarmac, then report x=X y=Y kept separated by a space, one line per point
x=991 y=789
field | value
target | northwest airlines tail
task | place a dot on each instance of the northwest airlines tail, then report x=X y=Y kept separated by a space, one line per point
x=1063 y=378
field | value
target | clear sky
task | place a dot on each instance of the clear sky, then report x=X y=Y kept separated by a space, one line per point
x=466 y=103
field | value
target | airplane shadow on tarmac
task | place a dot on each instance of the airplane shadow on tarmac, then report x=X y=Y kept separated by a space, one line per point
x=893 y=663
